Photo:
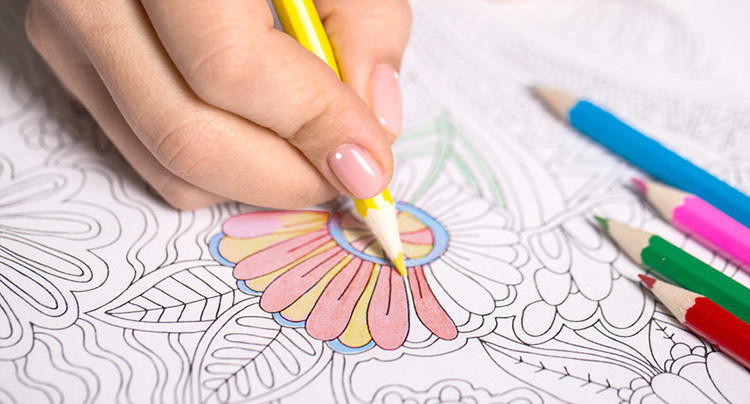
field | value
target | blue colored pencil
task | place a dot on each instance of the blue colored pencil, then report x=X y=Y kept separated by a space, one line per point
x=646 y=153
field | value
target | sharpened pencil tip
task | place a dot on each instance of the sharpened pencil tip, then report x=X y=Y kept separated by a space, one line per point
x=647 y=280
x=398 y=262
x=640 y=185
x=602 y=221
x=556 y=101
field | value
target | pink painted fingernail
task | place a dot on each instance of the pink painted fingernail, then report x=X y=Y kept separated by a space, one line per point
x=386 y=98
x=357 y=170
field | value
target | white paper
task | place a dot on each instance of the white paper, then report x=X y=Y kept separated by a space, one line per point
x=109 y=295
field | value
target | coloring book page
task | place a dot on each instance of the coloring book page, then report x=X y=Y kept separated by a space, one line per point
x=513 y=295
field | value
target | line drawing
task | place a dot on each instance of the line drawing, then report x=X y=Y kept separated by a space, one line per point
x=108 y=295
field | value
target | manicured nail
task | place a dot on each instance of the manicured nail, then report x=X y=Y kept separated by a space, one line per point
x=386 y=98
x=357 y=170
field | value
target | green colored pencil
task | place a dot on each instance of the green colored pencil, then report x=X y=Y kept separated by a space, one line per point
x=673 y=263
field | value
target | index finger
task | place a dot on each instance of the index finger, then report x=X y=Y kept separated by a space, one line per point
x=369 y=39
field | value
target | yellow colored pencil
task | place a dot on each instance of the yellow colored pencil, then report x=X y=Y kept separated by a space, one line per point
x=300 y=19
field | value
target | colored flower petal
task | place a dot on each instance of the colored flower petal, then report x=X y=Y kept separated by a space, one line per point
x=333 y=310
x=352 y=221
x=388 y=313
x=423 y=236
x=235 y=250
x=290 y=286
x=300 y=309
x=357 y=333
x=280 y=255
x=365 y=244
x=428 y=309
x=407 y=223
x=416 y=250
x=416 y=237
x=355 y=231
x=254 y=224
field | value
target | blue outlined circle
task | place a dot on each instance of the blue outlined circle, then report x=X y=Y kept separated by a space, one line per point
x=439 y=235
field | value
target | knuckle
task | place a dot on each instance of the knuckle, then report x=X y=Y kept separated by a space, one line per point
x=184 y=148
x=217 y=72
x=321 y=114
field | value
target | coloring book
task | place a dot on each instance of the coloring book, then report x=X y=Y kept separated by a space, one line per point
x=513 y=294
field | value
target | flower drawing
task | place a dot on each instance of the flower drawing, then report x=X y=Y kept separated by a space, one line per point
x=46 y=245
x=325 y=272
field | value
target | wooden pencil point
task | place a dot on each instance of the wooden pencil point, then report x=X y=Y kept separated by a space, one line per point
x=400 y=265
x=603 y=222
x=647 y=280
x=558 y=102
x=639 y=185
x=629 y=239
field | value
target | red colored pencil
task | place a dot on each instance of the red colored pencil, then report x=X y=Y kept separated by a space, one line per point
x=705 y=319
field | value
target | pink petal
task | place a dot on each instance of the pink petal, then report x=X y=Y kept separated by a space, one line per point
x=388 y=314
x=256 y=224
x=349 y=222
x=287 y=288
x=279 y=255
x=428 y=309
x=363 y=243
x=423 y=236
x=334 y=308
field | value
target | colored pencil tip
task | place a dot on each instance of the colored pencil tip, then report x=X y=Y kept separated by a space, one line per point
x=639 y=184
x=602 y=221
x=398 y=262
x=647 y=280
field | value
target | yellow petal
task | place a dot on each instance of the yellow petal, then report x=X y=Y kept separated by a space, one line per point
x=301 y=308
x=356 y=333
x=416 y=250
x=259 y=284
x=408 y=223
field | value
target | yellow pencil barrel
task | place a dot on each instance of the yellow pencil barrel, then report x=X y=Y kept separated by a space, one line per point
x=300 y=19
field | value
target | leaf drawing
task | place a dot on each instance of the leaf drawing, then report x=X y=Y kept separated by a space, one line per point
x=180 y=297
x=246 y=355
x=560 y=368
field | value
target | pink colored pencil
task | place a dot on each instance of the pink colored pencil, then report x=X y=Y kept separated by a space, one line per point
x=700 y=220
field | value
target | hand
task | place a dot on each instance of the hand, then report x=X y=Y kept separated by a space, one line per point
x=208 y=102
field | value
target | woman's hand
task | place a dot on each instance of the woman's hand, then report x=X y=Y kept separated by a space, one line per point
x=208 y=102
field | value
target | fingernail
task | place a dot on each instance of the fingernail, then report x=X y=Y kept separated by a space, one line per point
x=357 y=170
x=386 y=98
